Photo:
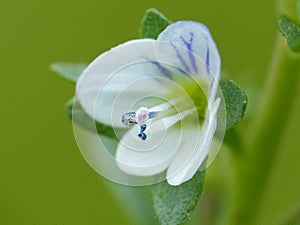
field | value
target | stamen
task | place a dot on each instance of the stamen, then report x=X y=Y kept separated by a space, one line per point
x=143 y=128
x=142 y=135
x=143 y=114
x=129 y=119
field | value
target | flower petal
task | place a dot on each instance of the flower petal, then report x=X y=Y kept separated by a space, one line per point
x=130 y=71
x=146 y=158
x=123 y=90
x=196 y=38
x=99 y=73
x=98 y=151
x=164 y=141
x=189 y=159
x=170 y=120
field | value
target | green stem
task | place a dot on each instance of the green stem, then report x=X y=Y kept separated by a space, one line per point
x=266 y=132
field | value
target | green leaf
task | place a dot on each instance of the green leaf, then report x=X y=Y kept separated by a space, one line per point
x=153 y=24
x=291 y=31
x=235 y=100
x=174 y=204
x=79 y=116
x=69 y=71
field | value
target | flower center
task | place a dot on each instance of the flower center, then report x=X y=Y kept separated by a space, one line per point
x=165 y=111
x=141 y=116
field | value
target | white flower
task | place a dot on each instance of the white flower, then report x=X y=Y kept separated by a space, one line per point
x=155 y=89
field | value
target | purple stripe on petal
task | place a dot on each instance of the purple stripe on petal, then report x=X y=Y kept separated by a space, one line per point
x=207 y=61
x=162 y=69
x=180 y=58
x=182 y=72
x=189 y=47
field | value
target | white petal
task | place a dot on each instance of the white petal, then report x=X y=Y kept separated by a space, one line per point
x=170 y=120
x=103 y=93
x=118 y=97
x=163 y=143
x=129 y=72
x=196 y=37
x=189 y=159
x=149 y=157
x=96 y=150
x=165 y=105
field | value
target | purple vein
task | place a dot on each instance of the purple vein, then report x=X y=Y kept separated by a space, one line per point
x=180 y=58
x=189 y=47
x=162 y=69
x=207 y=61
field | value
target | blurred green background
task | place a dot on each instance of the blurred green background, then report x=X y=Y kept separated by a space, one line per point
x=43 y=177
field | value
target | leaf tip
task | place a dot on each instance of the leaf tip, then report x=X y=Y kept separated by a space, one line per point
x=153 y=23
x=290 y=30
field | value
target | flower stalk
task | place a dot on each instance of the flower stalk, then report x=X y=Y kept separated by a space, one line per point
x=266 y=132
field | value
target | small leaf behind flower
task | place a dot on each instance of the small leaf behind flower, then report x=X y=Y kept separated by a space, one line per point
x=291 y=31
x=235 y=100
x=69 y=71
x=175 y=204
x=153 y=24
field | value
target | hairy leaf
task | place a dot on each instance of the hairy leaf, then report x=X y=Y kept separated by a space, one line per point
x=175 y=204
x=235 y=100
x=291 y=31
x=153 y=24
